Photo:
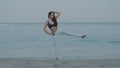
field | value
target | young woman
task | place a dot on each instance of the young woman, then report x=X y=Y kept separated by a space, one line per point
x=52 y=24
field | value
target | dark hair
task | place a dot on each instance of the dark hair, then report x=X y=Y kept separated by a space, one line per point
x=54 y=19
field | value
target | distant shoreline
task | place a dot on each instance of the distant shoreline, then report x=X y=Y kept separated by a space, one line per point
x=69 y=23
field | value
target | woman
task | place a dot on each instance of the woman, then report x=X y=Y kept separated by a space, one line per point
x=51 y=23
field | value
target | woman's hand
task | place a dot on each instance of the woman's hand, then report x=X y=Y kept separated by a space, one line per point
x=58 y=14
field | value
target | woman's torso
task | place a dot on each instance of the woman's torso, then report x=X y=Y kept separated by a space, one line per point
x=51 y=24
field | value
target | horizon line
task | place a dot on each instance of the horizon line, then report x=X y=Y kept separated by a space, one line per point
x=59 y=22
x=69 y=23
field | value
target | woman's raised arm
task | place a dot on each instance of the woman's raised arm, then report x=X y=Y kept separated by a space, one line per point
x=57 y=14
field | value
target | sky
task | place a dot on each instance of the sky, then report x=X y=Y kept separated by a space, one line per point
x=17 y=11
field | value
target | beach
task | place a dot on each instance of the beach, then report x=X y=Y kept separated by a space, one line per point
x=66 y=63
x=27 y=46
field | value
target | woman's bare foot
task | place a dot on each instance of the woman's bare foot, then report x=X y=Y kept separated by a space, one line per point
x=83 y=36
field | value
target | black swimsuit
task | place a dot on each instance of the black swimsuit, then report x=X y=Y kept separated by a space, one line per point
x=49 y=25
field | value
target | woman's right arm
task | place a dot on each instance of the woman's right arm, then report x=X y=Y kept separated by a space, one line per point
x=45 y=29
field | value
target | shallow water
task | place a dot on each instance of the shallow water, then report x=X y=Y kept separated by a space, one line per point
x=29 y=40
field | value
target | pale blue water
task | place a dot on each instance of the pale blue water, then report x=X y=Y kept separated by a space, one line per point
x=29 y=40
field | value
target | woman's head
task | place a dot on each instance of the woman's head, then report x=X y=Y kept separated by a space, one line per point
x=51 y=15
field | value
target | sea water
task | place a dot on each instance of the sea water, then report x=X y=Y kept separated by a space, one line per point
x=27 y=40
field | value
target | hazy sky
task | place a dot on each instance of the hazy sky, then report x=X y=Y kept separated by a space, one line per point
x=71 y=10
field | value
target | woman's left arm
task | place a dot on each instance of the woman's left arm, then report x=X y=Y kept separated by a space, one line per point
x=57 y=14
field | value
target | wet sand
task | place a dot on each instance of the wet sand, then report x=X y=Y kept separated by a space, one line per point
x=62 y=63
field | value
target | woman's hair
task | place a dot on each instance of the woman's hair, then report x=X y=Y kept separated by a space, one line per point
x=54 y=19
